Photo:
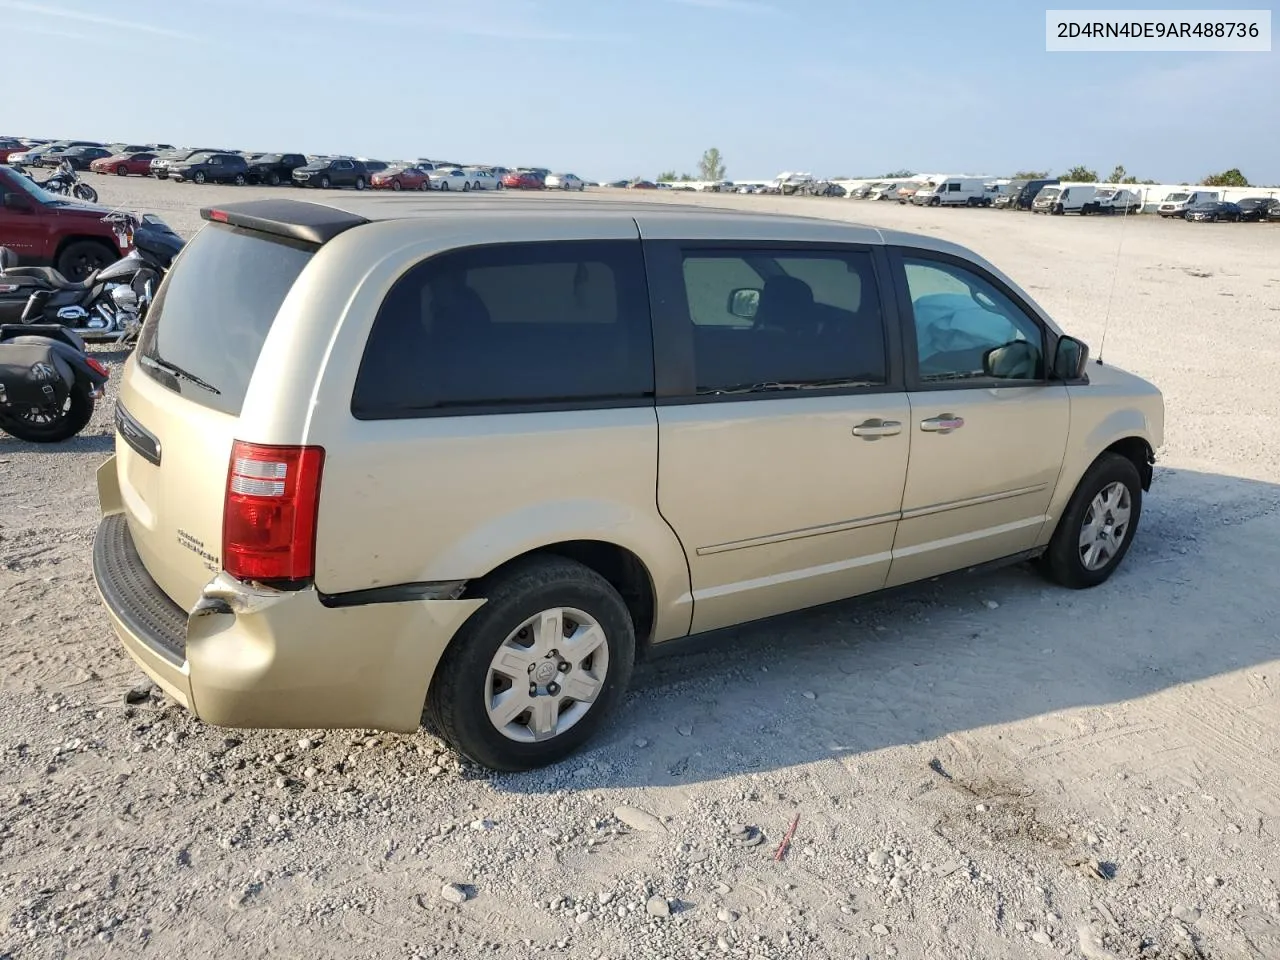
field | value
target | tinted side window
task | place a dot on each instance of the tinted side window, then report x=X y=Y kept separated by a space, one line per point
x=959 y=316
x=510 y=324
x=788 y=317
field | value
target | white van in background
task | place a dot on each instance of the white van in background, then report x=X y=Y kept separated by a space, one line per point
x=1114 y=200
x=1177 y=204
x=961 y=192
x=1059 y=199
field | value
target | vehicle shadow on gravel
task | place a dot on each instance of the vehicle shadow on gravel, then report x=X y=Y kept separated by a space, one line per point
x=1193 y=600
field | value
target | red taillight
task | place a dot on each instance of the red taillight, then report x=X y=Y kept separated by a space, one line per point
x=96 y=367
x=219 y=215
x=269 y=518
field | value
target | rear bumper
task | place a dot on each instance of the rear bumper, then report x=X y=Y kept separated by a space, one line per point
x=248 y=656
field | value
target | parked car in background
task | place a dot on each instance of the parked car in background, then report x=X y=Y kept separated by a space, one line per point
x=79 y=157
x=1020 y=194
x=523 y=180
x=483 y=179
x=163 y=161
x=125 y=164
x=1254 y=209
x=1211 y=211
x=401 y=178
x=338 y=172
x=212 y=168
x=46 y=230
x=1058 y=200
x=275 y=168
x=374 y=166
x=450 y=179
x=1176 y=204
x=959 y=192
x=1114 y=200
x=8 y=147
x=642 y=185
x=564 y=181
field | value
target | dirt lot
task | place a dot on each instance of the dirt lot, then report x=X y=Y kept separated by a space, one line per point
x=987 y=768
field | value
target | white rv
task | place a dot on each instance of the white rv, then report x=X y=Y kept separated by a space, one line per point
x=1064 y=198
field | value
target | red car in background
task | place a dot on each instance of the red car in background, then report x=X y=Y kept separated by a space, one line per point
x=401 y=178
x=11 y=146
x=125 y=164
x=523 y=180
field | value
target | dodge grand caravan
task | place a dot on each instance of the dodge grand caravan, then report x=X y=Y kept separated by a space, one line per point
x=478 y=457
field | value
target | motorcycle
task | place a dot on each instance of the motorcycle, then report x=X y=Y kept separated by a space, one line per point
x=67 y=183
x=110 y=304
x=48 y=384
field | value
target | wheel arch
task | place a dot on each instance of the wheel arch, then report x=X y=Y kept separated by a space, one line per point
x=620 y=566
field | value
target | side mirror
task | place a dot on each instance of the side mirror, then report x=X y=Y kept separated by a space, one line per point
x=1015 y=360
x=1070 y=359
x=744 y=302
x=17 y=203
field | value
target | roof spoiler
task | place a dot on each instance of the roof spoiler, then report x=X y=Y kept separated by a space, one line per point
x=295 y=219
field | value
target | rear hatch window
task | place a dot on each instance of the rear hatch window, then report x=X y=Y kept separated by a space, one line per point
x=212 y=314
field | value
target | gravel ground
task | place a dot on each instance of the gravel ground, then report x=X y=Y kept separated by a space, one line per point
x=984 y=768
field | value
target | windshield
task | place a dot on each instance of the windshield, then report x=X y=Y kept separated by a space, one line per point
x=212 y=314
x=38 y=193
x=1049 y=192
x=198 y=158
x=269 y=158
x=1176 y=197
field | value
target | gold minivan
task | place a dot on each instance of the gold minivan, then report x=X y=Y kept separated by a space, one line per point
x=478 y=455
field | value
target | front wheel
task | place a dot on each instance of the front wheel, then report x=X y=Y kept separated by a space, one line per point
x=1097 y=527
x=534 y=672
x=273 y=179
x=199 y=177
x=325 y=183
x=395 y=185
x=50 y=424
x=82 y=191
x=122 y=171
x=83 y=257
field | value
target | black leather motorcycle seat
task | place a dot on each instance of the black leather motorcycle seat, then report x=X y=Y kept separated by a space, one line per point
x=51 y=277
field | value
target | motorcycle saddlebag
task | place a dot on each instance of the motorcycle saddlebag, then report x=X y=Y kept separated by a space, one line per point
x=33 y=375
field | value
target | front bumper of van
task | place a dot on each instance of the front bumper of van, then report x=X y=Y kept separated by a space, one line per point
x=249 y=656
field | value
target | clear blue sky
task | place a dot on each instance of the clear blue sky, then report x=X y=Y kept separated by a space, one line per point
x=616 y=88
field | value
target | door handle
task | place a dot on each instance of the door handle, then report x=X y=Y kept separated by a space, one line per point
x=944 y=423
x=876 y=428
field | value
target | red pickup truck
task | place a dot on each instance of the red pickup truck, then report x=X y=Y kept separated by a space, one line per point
x=46 y=230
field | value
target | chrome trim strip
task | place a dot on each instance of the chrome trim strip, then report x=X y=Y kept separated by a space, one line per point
x=802 y=533
x=972 y=501
x=789 y=576
x=969 y=537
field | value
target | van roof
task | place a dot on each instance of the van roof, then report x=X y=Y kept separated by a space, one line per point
x=318 y=221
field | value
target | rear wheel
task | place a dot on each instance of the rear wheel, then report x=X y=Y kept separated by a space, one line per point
x=537 y=669
x=83 y=257
x=1097 y=527
x=51 y=424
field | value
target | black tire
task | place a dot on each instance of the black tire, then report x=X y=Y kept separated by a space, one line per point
x=199 y=177
x=240 y=180
x=82 y=257
x=82 y=191
x=466 y=186
x=325 y=183
x=359 y=183
x=122 y=171
x=1062 y=562
x=273 y=179
x=77 y=411
x=444 y=184
x=456 y=701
